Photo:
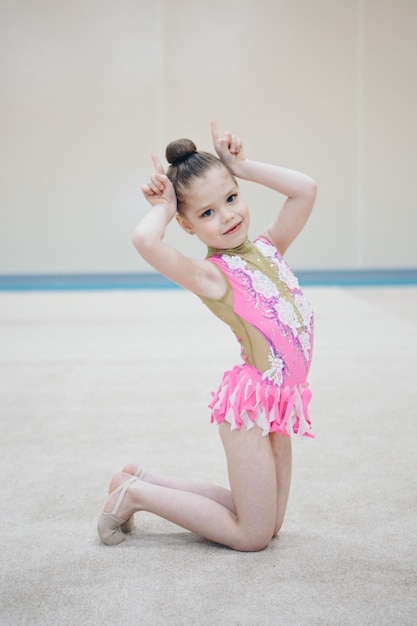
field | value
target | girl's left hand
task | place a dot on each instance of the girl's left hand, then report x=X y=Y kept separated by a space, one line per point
x=228 y=147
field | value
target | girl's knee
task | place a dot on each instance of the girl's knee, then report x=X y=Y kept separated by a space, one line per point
x=277 y=528
x=253 y=543
x=251 y=546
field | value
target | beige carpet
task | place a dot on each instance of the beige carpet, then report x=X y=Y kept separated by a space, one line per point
x=91 y=380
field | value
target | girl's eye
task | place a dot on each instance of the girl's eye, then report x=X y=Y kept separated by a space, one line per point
x=207 y=213
x=231 y=198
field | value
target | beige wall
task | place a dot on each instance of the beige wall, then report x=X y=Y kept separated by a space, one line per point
x=90 y=88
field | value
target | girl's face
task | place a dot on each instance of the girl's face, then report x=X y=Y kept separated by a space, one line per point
x=215 y=211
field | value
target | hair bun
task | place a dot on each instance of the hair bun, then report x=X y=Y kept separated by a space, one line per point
x=179 y=150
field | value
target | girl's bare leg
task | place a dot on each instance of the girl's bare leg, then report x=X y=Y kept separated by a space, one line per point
x=253 y=485
x=281 y=450
x=218 y=494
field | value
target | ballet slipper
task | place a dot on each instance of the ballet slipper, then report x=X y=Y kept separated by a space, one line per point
x=129 y=525
x=110 y=524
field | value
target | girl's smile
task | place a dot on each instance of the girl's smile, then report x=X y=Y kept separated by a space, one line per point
x=233 y=229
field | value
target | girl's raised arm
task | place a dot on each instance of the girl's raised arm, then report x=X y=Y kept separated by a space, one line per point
x=299 y=188
x=195 y=275
x=300 y=191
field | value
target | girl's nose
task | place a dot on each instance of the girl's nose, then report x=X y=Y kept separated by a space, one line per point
x=227 y=216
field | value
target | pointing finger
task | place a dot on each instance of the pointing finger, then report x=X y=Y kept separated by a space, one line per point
x=214 y=132
x=157 y=164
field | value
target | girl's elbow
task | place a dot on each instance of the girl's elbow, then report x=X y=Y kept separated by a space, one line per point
x=312 y=188
x=139 y=240
x=311 y=191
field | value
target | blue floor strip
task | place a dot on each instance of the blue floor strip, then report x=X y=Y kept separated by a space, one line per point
x=359 y=278
x=68 y=282
x=92 y=282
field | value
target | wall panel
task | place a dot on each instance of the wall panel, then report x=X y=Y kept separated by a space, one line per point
x=90 y=89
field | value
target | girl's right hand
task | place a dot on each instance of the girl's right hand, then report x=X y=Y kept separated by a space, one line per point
x=229 y=148
x=159 y=189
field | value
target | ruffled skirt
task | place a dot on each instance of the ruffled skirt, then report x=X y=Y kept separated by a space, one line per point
x=244 y=397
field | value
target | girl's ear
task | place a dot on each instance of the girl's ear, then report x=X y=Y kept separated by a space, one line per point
x=185 y=224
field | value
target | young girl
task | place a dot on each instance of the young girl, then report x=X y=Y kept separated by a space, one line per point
x=260 y=402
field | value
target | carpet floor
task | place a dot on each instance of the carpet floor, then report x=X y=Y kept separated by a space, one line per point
x=92 y=380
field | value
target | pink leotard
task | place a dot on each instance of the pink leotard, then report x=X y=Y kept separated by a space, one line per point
x=273 y=321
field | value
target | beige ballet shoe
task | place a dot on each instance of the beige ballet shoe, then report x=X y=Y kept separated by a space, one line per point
x=129 y=525
x=110 y=524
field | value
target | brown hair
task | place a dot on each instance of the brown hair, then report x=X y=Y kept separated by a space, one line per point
x=186 y=163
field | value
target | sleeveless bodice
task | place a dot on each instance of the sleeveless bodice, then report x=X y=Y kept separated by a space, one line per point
x=267 y=311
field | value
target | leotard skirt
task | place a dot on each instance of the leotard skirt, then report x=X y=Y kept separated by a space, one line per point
x=246 y=397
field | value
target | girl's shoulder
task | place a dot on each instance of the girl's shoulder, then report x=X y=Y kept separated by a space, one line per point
x=266 y=246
